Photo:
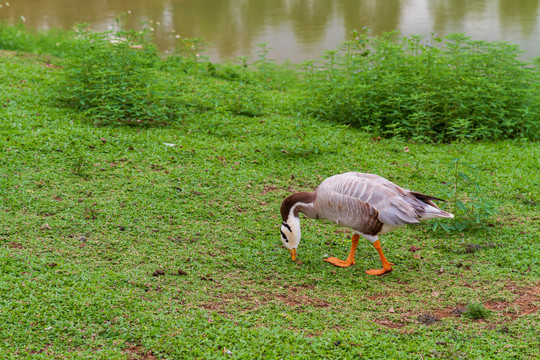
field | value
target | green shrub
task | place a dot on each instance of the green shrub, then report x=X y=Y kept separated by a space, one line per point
x=397 y=85
x=18 y=37
x=112 y=77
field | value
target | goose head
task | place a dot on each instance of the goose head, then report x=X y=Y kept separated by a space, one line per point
x=290 y=235
x=290 y=227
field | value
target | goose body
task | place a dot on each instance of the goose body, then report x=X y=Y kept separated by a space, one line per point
x=368 y=204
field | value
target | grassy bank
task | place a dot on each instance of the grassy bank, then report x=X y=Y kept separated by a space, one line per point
x=90 y=213
x=140 y=215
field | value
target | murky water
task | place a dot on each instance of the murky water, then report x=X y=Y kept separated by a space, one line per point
x=296 y=29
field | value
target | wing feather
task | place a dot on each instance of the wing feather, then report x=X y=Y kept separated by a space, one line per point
x=391 y=202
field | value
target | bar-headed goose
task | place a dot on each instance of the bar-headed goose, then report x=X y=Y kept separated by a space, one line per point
x=368 y=204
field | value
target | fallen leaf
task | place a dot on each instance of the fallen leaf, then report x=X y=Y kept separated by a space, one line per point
x=406 y=149
x=435 y=294
x=391 y=310
x=417 y=256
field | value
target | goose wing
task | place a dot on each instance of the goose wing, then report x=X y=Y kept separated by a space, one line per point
x=395 y=206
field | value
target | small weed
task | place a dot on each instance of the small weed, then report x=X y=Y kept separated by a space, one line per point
x=79 y=165
x=190 y=50
x=476 y=310
x=264 y=60
x=470 y=202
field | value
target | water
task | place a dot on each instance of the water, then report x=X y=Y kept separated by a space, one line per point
x=296 y=29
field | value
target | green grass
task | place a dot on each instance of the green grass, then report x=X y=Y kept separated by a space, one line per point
x=210 y=207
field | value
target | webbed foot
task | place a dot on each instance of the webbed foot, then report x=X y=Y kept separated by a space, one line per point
x=340 y=263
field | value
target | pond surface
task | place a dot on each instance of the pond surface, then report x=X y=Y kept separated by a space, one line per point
x=296 y=29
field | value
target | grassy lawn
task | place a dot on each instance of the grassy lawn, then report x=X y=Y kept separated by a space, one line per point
x=89 y=214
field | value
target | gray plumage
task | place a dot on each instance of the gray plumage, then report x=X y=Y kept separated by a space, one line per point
x=370 y=204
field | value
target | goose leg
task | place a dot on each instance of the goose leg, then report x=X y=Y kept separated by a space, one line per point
x=387 y=266
x=350 y=259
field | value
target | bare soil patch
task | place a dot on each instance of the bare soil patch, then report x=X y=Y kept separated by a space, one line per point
x=379 y=296
x=389 y=323
x=296 y=300
x=294 y=297
x=451 y=311
x=137 y=352
x=525 y=304
x=269 y=188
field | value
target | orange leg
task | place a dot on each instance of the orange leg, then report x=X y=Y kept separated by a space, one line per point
x=350 y=259
x=387 y=266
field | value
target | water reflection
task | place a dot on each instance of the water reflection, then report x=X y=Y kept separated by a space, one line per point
x=379 y=16
x=455 y=14
x=297 y=29
x=524 y=17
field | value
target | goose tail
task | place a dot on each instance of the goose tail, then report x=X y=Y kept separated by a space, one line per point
x=431 y=211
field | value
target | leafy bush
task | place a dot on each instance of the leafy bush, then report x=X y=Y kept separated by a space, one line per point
x=391 y=85
x=118 y=76
x=19 y=37
x=112 y=77
x=397 y=85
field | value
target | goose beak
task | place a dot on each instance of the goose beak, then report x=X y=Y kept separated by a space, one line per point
x=293 y=254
